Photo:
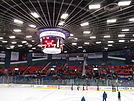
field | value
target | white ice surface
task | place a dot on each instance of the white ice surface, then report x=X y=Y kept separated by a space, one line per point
x=30 y=94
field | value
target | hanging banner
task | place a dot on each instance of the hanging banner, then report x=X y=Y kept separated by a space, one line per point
x=95 y=55
x=14 y=56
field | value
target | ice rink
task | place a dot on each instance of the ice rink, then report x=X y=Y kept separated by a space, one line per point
x=34 y=94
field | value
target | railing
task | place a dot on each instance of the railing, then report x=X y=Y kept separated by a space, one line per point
x=42 y=80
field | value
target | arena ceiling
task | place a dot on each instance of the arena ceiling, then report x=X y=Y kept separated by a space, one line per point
x=95 y=25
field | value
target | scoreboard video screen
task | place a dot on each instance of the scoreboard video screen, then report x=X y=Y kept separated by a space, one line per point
x=52 y=40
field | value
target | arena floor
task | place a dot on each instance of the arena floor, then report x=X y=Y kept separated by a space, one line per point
x=30 y=94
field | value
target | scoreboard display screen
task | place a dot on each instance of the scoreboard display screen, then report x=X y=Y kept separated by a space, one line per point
x=52 y=40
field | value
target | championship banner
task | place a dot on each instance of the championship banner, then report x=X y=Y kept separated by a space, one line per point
x=56 y=56
x=40 y=55
x=2 y=55
x=95 y=55
x=59 y=56
x=14 y=56
x=76 y=58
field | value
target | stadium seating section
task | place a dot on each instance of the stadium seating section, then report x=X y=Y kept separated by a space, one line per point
x=72 y=68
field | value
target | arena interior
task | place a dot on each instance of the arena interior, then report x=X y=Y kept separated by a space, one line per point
x=66 y=50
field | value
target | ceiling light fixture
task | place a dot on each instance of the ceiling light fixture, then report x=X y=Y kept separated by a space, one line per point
x=32 y=26
x=106 y=48
x=34 y=14
x=124 y=3
x=86 y=43
x=131 y=19
x=94 y=6
x=110 y=41
x=12 y=37
x=61 y=23
x=84 y=50
x=20 y=45
x=12 y=46
x=34 y=48
x=92 y=37
x=29 y=45
x=8 y=48
x=4 y=41
x=64 y=16
x=110 y=45
x=74 y=43
x=132 y=40
x=111 y=20
x=121 y=35
x=14 y=42
x=98 y=42
x=125 y=30
x=121 y=40
x=84 y=24
x=1 y=38
x=30 y=50
x=86 y=32
x=18 y=21
x=24 y=41
x=28 y=36
x=71 y=35
x=33 y=40
x=65 y=51
x=107 y=36
x=76 y=38
x=17 y=30
x=80 y=47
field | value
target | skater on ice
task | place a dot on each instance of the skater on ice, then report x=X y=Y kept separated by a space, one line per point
x=83 y=99
x=104 y=96
x=119 y=96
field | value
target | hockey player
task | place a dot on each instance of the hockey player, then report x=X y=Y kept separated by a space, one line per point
x=83 y=99
x=104 y=96
x=119 y=96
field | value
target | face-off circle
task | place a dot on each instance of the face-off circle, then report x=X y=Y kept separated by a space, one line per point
x=52 y=39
